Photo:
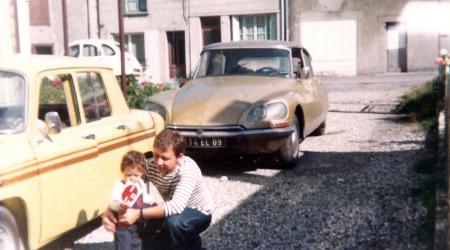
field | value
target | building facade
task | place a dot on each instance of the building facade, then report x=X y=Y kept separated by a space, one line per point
x=14 y=27
x=344 y=37
x=350 y=37
x=167 y=36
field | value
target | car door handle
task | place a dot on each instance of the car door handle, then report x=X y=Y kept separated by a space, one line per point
x=89 y=136
x=122 y=127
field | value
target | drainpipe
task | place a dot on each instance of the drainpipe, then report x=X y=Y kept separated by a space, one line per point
x=66 y=35
x=123 y=79
x=189 y=34
x=16 y=20
x=281 y=4
x=99 y=26
x=88 y=19
x=286 y=7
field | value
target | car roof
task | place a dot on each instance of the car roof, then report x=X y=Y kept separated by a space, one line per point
x=252 y=44
x=38 y=63
x=93 y=41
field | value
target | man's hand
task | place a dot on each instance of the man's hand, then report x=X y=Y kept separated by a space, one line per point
x=109 y=220
x=129 y=217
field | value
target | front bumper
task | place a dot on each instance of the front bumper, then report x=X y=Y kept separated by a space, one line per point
x=238 y=139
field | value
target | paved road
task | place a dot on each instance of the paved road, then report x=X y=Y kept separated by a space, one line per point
x=368 y=100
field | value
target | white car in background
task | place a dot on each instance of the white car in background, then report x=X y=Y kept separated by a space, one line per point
x=105 y=51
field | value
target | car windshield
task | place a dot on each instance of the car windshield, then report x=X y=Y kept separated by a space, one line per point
x=259 y=62
x=12 y=103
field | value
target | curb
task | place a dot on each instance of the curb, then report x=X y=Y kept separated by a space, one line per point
x=442 y=203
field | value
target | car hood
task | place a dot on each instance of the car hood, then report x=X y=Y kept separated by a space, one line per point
x=214 y=101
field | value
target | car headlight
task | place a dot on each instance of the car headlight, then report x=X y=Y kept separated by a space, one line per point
x=267 y=111
x=156 y=108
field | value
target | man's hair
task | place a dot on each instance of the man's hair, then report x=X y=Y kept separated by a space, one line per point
x=167 y=138
x=133 y=159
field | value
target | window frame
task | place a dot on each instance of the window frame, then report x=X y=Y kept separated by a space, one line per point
x=241 y=31
x=70 y=95
x=140 y=10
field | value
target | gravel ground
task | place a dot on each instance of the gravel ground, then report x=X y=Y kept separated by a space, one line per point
x=353 y=188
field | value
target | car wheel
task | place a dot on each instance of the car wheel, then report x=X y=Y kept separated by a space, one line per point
x=319 y=130
x=289 y=152
x=9 y=234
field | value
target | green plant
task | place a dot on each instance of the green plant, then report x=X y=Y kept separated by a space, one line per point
x=424 y=103
x=137 y=94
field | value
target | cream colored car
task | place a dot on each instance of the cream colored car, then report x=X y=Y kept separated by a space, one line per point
x=64 y=127
x=248 y=97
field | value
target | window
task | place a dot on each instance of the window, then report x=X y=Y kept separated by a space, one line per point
x=135 y=6
x=107 y=51
x=259 y=27
x=89 y=50
x=39 y=12
x=42 y=49
x=248 y=61
x=93 y=96
x=12 y=102
x=307 y=66
x=56 y=94
x=74 y=50
x=135 y=45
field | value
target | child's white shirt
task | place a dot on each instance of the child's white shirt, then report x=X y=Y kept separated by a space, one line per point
x=116 y=195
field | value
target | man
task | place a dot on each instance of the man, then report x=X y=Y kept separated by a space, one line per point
x=186 y=210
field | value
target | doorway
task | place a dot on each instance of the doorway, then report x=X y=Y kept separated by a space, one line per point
x=177 y=54
x=396 y=47
x=210 y=29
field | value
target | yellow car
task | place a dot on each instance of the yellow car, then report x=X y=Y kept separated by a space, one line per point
x=247 y=97
x=64 y=127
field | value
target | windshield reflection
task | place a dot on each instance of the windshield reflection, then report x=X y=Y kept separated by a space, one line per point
x=259 y=62
x=12 y=103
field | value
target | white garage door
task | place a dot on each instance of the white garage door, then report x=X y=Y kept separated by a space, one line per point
x=332 y=45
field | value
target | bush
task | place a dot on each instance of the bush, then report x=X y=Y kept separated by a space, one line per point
x=424 y=103
x=137 y=94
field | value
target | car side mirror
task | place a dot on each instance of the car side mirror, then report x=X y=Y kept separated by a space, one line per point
x=53 y=122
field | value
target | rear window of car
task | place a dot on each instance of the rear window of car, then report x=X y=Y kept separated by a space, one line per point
x=93 y=94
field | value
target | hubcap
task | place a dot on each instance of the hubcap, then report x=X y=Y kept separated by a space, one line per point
x=7 y=240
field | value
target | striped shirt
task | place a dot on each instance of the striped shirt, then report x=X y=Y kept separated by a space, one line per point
x=182 y=188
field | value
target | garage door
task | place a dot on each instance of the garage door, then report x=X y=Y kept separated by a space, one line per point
x=332 y=45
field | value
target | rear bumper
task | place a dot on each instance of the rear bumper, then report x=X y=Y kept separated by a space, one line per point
x=238 y=139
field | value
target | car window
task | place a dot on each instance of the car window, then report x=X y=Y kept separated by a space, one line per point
x=307 y=64
x=93 y=96
x=297 y=63
x=265 y=62
x=107 y=50
x=57 y=95
x=12 y=102
x=74 y=50
x=89 y=50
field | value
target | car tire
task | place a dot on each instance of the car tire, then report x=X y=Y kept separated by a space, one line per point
x=319 y=130
x=289 y=152
x=9 y=233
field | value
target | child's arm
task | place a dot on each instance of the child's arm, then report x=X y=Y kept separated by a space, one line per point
x=152 y=195
x=116 y=196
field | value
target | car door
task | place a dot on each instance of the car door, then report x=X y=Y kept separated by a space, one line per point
x=106 y=127
x=306 y=89
x=67 y=161
x=321 y=100
x=320 y=97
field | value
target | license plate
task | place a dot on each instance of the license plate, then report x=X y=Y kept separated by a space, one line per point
x=205 y=142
